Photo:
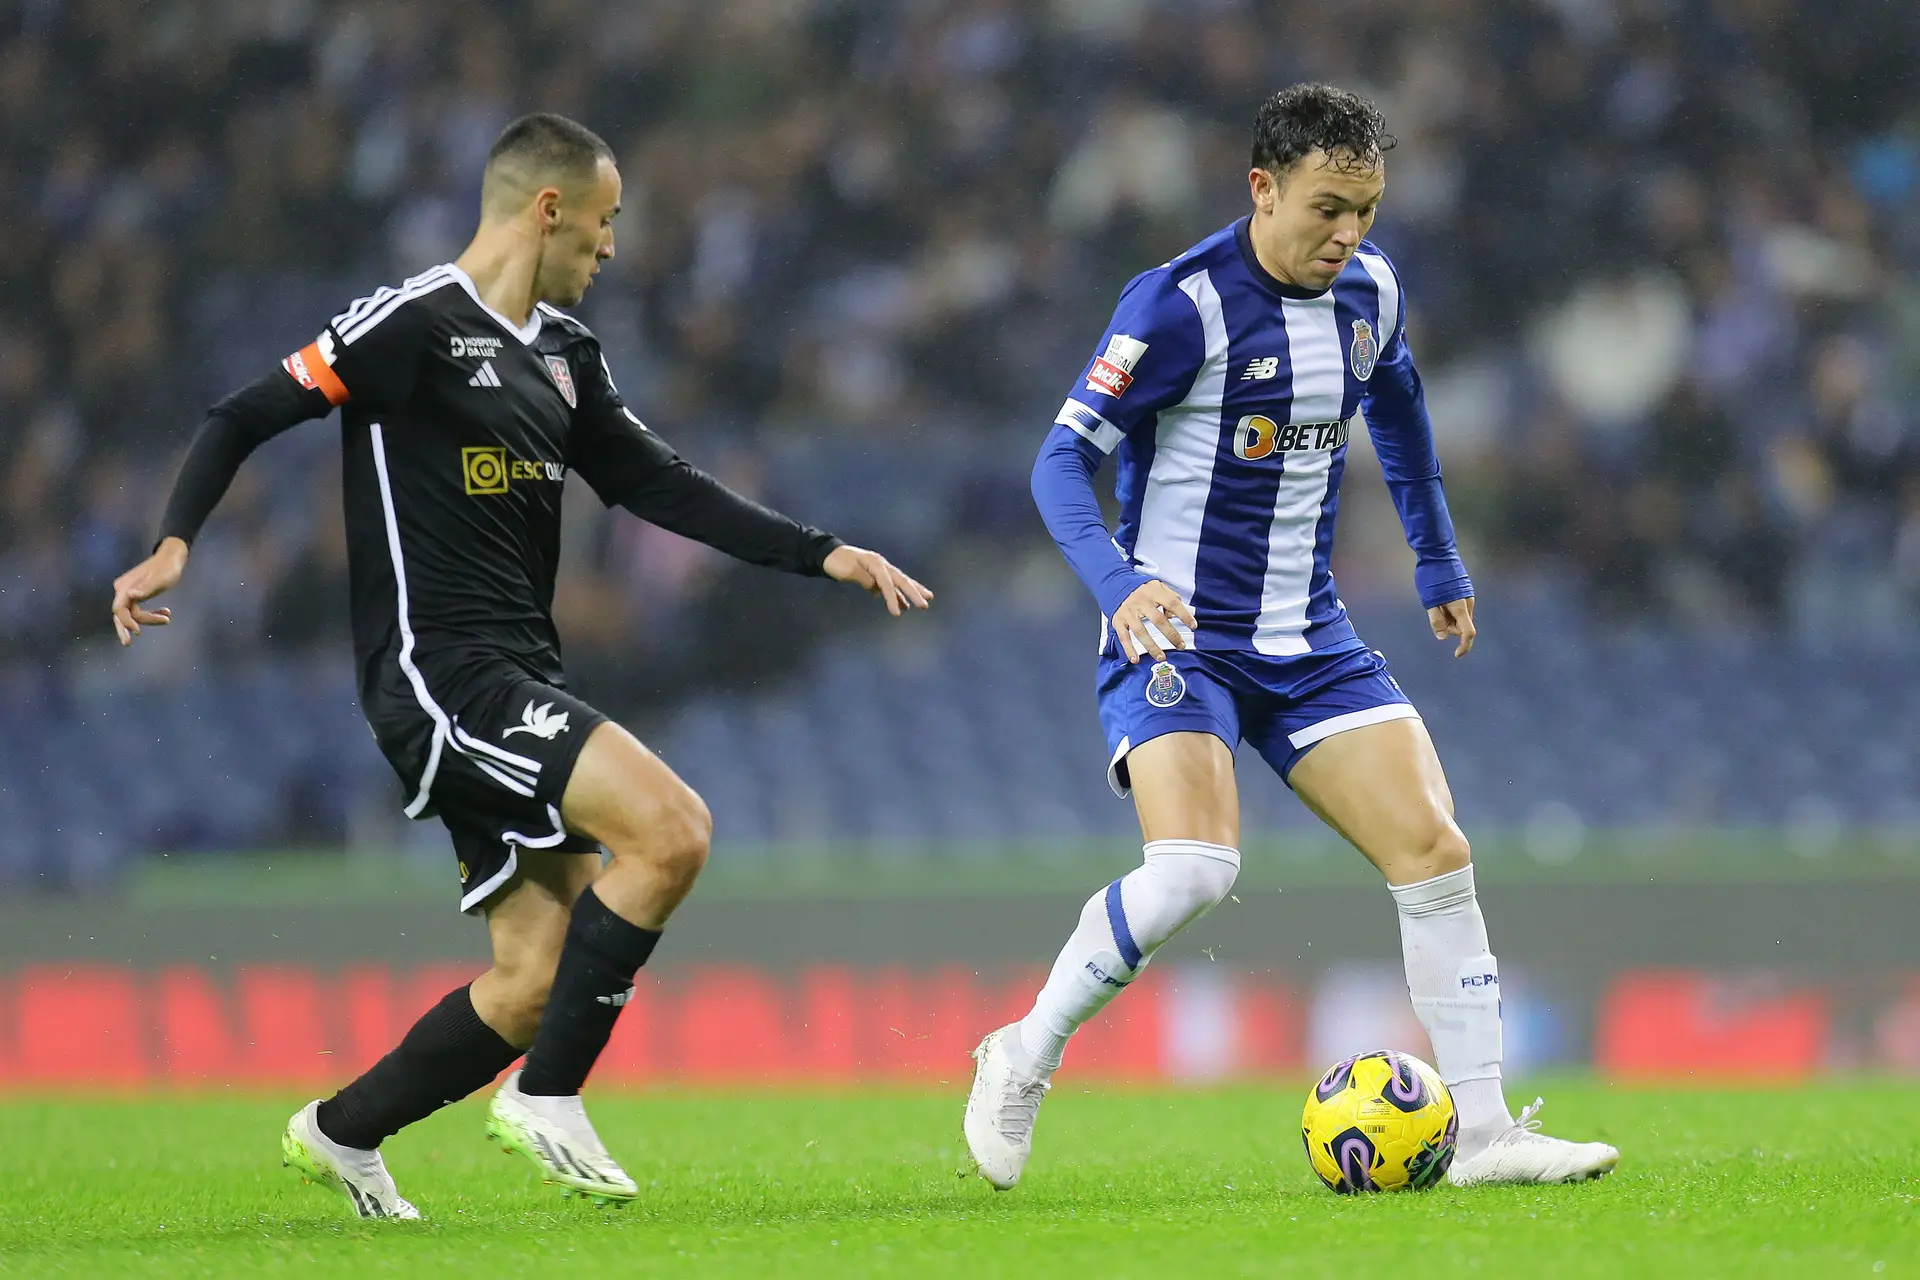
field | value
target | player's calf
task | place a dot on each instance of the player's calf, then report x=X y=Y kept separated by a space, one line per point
x=1120 y=928
x=658 y=832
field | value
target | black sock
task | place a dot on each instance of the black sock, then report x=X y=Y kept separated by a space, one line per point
x=597 y=964
x=444 y=1057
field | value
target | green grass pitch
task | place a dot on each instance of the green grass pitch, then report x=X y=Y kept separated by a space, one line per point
x=1816 y=1182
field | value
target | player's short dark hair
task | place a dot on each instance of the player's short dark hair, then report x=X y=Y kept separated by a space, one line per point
x=548 y=144
x=1303 y=117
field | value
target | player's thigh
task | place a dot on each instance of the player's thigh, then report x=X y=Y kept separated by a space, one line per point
x=1184 y=789
x=626 y=797
x=1381 y=786
x=1171 y=727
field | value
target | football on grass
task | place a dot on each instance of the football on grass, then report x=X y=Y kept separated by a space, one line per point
x=1380 y=1121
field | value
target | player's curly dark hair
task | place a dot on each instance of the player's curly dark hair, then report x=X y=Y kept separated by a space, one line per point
x=1302 y=117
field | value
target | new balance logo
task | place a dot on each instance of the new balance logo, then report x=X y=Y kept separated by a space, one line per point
x=484 y=376
x=540 y=722
x=1262 y=369
x=617 y=1001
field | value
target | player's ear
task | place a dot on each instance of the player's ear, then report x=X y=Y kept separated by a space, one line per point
x=1263 y=189
x=546 y=208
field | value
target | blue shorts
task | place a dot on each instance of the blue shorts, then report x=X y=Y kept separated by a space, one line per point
x=1283 y=706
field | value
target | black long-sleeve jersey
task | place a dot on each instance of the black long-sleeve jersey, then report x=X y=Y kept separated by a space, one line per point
x=458 y=430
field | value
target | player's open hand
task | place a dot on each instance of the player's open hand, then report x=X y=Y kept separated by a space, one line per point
x=144 y=581
x=1455 y=618
x=1145 y=622
x=870 y=571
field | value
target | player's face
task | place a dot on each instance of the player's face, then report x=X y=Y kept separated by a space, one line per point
x=582 y=239
x=1308 y=223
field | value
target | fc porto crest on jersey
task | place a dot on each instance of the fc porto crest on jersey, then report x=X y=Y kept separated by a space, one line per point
x=1364 y=352
x=1165 y=686
x=563 y=379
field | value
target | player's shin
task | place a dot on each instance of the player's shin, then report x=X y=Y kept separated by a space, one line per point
x=1120 y=929
x=1455 y=985
x=446 y=1055
x=597 y=966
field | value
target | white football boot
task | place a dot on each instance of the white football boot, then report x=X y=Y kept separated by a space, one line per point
x=361 y=1176
x=1524 y=1154
x=1001 y=1110
x=556 y=1135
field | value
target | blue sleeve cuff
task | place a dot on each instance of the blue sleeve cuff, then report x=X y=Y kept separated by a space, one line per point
x=1117 y=586
x=1442 y=582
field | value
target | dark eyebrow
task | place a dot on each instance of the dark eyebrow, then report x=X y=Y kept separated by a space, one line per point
x=1340 y=199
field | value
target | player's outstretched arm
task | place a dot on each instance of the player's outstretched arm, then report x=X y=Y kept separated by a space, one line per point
x=234 y=428
x=629 y=466
x=1396 y=411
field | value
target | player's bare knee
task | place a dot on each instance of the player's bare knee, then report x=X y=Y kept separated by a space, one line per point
x=673 y=837
x=1446 y=851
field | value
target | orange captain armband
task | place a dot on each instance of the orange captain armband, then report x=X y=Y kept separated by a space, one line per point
x=312 y=367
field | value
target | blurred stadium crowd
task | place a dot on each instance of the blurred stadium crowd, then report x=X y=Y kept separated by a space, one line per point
x=1663 y=257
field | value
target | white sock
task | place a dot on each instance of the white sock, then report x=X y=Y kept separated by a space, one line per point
x=1455 y=984
x=1120 y=929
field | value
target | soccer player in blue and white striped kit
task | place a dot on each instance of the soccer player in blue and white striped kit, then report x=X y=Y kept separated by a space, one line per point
x=1225 y=389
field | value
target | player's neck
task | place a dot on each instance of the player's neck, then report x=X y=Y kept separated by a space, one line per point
x=502 y=265
x=1269 y=261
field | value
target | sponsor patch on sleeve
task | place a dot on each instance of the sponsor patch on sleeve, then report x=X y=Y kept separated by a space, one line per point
x=312 y=367
x=1112 y=372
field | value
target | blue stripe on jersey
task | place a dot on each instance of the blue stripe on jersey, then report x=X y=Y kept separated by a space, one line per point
x=1134 y=465
x=1356 y=297
x=1230 y=574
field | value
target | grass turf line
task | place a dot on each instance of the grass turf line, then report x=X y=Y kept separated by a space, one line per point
x=1822 y=1181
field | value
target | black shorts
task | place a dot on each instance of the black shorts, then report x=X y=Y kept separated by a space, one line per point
x=489 y=749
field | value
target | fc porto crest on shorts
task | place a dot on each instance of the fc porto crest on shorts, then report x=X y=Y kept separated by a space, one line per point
x=1363 y=353
x=562 y=378
x=1165 y=686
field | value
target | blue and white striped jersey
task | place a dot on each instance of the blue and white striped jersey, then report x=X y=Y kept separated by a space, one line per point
x=1227 y=398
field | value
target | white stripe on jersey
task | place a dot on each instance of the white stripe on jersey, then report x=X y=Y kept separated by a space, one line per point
x=1376 y=266
x=1319 y=392
x=370 y=311
x=419 y=682
x=1186 y=438
x=525 y=764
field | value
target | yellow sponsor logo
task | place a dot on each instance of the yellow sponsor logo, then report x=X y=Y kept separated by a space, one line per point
x=1257 y=436
x=488 y=469
x=485 y=469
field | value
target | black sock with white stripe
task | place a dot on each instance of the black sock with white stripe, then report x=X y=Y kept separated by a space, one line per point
x=444 y=1057
x=597 y=965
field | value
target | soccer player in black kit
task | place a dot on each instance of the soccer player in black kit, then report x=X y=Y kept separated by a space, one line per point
x=465 y=400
